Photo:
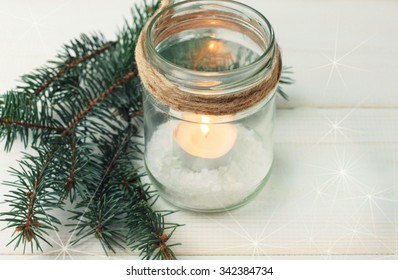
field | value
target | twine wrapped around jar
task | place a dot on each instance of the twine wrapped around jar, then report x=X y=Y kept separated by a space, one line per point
x=206 y=104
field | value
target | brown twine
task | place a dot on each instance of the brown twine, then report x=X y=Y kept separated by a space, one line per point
x=223 y=104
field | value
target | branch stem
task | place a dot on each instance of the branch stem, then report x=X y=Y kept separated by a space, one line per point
x=73 y=64
x=32 y=195
x=31 y=125
x=131 y=74
x=110 y=167
x=71 y=179
x=136 y=114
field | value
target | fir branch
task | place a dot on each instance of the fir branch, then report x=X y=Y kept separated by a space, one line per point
x=31 y=125
x=33 y=196
x=136 y=114
x=72 y=170
x=98 y=99
x=103 y=206
x=91 y=55
x=285 y=80
x=79 y=94
x=55 y=81
x=72 y=64
x=18 y=118
x=149 y=235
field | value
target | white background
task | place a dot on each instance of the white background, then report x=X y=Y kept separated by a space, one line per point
x=334 y=188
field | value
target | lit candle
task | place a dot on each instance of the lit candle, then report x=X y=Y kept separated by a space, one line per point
x=200 y=138
x=205 y=140
x=214 y=56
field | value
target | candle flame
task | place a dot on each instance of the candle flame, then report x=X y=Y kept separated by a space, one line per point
x=203 y=127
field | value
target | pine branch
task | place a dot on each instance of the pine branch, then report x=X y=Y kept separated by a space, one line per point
x=136 y=114
x=31 y=125
x=98 y=99
x=32 y=197
x=285 y=80
x=76 y=109
x=72 y=169
x=70 y=65
x=152 y=244
x=99 y=216
x=144 y=234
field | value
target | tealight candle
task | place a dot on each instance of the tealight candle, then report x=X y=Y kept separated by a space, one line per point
x=205 y=140
x=210 y=71
x=203 y=145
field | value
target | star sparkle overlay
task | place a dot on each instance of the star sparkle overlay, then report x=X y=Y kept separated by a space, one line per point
x=341 y=198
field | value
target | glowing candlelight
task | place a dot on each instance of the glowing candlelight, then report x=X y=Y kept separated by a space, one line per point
x=205 y=140
x=201 y=138
x=213 y=56
x=205 y=128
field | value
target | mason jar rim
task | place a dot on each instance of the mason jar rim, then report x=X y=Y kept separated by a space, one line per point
x=238 y=70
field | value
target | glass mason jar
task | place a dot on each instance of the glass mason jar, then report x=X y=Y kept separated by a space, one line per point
x=202 y=161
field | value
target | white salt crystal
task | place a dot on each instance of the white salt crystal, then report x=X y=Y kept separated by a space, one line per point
x=208 y=189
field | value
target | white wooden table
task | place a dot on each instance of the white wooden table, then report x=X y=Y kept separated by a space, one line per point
x=334 y=188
